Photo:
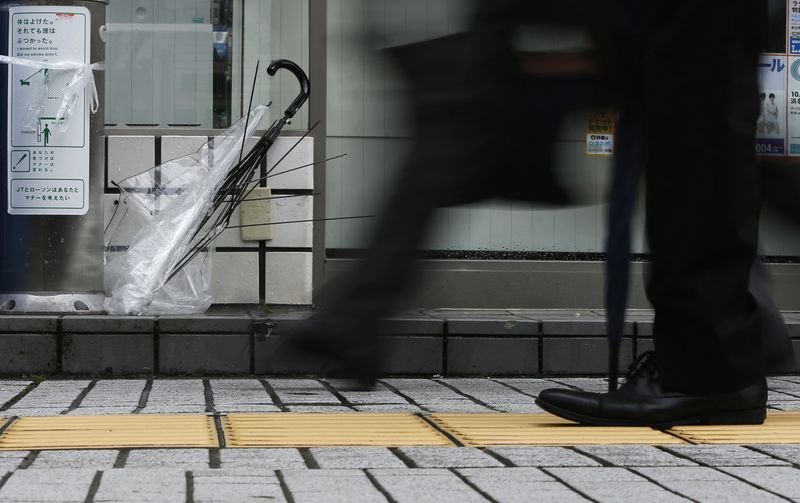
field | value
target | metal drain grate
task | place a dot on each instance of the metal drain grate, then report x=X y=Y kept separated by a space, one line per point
x=105 y=432
x=779 y=428
x=483 y=430
x=329 y=430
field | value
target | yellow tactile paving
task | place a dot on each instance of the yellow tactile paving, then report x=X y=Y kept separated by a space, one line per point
x=103 y=432
x=329 y=430
x=483 y=430
x=779 y=428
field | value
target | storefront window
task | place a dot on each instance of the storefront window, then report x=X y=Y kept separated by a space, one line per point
x=184 y=64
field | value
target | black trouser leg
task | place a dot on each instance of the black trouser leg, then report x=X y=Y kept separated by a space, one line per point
x=700 y=107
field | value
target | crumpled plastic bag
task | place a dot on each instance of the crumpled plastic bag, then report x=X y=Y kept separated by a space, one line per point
x=157 y=222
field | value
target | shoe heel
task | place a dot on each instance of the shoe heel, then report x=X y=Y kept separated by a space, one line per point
x=752 y=416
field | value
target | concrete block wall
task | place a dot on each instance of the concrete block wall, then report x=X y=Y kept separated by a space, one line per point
x=277 y=271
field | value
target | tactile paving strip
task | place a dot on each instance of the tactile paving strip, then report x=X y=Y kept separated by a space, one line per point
x=483 y=430
x=329 y=430
x=103 y=432
x=779 y=428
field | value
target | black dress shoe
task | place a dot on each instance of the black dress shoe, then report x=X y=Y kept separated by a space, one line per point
x=643 y=401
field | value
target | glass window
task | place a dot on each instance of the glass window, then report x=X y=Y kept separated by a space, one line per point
x=188 y=64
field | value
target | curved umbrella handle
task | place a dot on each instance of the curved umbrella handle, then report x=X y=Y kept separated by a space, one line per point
x=302 y=78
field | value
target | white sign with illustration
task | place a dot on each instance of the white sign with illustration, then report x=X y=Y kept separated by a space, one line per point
x=48 y=155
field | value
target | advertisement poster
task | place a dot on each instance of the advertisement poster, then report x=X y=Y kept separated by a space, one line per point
x=793 y=112
x=771 y=125
x=793 y=14
x=600 y=133
x=48 y=158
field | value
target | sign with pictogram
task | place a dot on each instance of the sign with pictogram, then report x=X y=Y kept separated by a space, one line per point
x=48 y=154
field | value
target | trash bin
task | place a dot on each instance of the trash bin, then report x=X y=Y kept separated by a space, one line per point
x=51 y=179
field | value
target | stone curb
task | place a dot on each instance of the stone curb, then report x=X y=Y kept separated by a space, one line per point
x=447 y=342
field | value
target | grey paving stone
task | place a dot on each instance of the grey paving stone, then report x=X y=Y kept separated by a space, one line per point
x=115 y=393
x=560 y=314
x=355 y=458
x=108 y=354
x=205 y=324
x=705 y=484
x=591 y=384
x=28 y=324
x=787 y=406
x=434 y=396
x=33 y=412
x=204 y=353
x=28 y=353
x=315 y=409
x=520 y=485
x=406 y=354
x=635 y=455
x=613 y=484
x=174 y=409
x=786 y=452
x=421 y=485
x=56 y=395
x=105 y=324
x=101 y=411
x=168 y=394
x=10 y=460
x=161 y=485
x=264 y=459
x=781 y=396
x=389 y=408
x=379 y=395
x=331 y=486
x=531 y=386
x=241 y=395
x=240 y=486
x=492 y=356
x=90 y=459
x=10 y=389
x=447 y=457
x=784 y=480
x=543 y=456
x=580 y=355
x=302 y=391
x=63 y=485
x=184 y=459
x=490 y=392
x=724 y=455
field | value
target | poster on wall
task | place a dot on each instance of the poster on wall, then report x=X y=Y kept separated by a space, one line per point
x=600 y=128
x=48 y=158
x=793 y=14
x=793 y=110
x=772 y=120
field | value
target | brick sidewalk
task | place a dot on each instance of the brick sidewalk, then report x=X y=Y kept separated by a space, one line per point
x=418 y=474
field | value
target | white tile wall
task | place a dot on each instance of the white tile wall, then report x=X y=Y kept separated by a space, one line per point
x=173 y=147
x=288 y=278
x=302 y=155
x=292 y=209
x=128 y=156
x=233 y=278
x=235 y=274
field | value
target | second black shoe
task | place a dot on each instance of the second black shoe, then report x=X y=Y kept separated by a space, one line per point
x=643 y=401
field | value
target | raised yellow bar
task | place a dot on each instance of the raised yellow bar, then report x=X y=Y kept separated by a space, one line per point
x=779 y=428
x=118 y=432
x=484 y=430
x=329 y=430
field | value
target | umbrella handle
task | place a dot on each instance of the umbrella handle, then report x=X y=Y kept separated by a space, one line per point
x=302 y=78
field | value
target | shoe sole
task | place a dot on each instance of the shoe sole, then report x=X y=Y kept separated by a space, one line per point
x=749 y=416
